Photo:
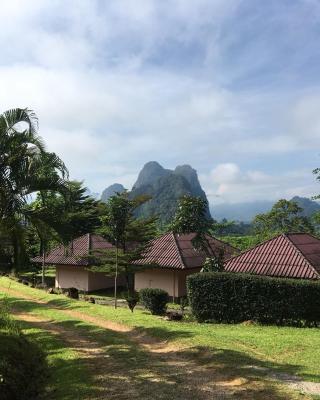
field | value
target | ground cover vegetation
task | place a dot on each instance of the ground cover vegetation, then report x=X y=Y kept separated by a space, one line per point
x=234 y=350
x=23 y=369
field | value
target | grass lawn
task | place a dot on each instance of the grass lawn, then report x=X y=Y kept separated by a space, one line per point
x=230 y=347
x=68 y=377
x=296 y=350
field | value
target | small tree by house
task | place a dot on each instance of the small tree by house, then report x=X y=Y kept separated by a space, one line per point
x=130 y=237
x=191 y=217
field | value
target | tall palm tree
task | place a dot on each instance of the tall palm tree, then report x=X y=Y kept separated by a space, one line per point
x=25 y=168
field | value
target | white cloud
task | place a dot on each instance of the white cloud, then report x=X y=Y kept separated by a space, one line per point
x=225 y=173
x=228 y=183
x=118 y=83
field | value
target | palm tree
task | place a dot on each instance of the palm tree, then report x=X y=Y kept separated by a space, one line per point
x=25 y=168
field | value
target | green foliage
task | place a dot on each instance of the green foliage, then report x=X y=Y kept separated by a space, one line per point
x=132 y=299
x=232 y=228
x=317 y=173
x=191 y=216
x=25 y=168
x=233 y=298
x=284 y=217
x=242 y=242
x=67 y=215
x=129 y=235
x=154 y=300
x=214 y=264
x=22 y=363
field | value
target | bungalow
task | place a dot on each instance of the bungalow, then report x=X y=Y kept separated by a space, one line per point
x=72 y=266
x=294 y=255
x=176 y=258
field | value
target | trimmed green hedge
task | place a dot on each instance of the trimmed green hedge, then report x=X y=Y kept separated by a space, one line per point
x=232 y=298
x=154 y=300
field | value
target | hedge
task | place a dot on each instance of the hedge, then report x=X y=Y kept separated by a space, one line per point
x=154 y=300
x=232 y=298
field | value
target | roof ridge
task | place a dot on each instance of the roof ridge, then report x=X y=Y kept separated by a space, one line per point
x=254 y=247
x=286 y=236
x=179 y=252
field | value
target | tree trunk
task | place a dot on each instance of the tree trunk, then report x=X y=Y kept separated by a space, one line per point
x=43 y=266
x=116 y=278
x=16 y=257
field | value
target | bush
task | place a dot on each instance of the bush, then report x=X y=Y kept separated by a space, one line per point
x=233 y=298
x=154 y=300
x=23 y=368
x=73 y=293
x=132 y=299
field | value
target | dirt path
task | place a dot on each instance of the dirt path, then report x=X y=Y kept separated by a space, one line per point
x=150 y=343
x=160 y=371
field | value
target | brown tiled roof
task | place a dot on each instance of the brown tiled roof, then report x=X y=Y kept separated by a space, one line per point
x=75 y=252
x=177 y=251
x=295 y=255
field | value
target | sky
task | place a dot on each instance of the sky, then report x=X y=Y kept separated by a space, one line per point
x=230 y=87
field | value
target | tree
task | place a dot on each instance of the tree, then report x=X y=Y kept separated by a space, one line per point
x=25 y=168
x=284 y=217
x=63 y=216
x=191 y=217
x=129 y=235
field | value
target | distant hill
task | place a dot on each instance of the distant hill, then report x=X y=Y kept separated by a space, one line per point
x=150 y=172
x=165 y=187
x=309 y=206
x=240 y=211
x=111 y=191
x=247 y=211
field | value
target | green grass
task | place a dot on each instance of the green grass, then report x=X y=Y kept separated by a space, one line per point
x=286 y=349
x=68 y=378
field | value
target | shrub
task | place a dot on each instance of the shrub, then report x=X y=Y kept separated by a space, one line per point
x=132 y=299
x=233 y=298
x=23 y=368
x=154 y=300
x=73 y=293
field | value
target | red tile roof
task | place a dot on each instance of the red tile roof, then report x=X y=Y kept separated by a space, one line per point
x=295 y=255
x=170 y=251
x=177 y=251
x=75 y=252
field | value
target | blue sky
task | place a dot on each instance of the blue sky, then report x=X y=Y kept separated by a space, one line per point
x=231 y=87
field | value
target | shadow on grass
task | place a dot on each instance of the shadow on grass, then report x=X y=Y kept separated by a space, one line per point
x=68 y=378
x=121 y=369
